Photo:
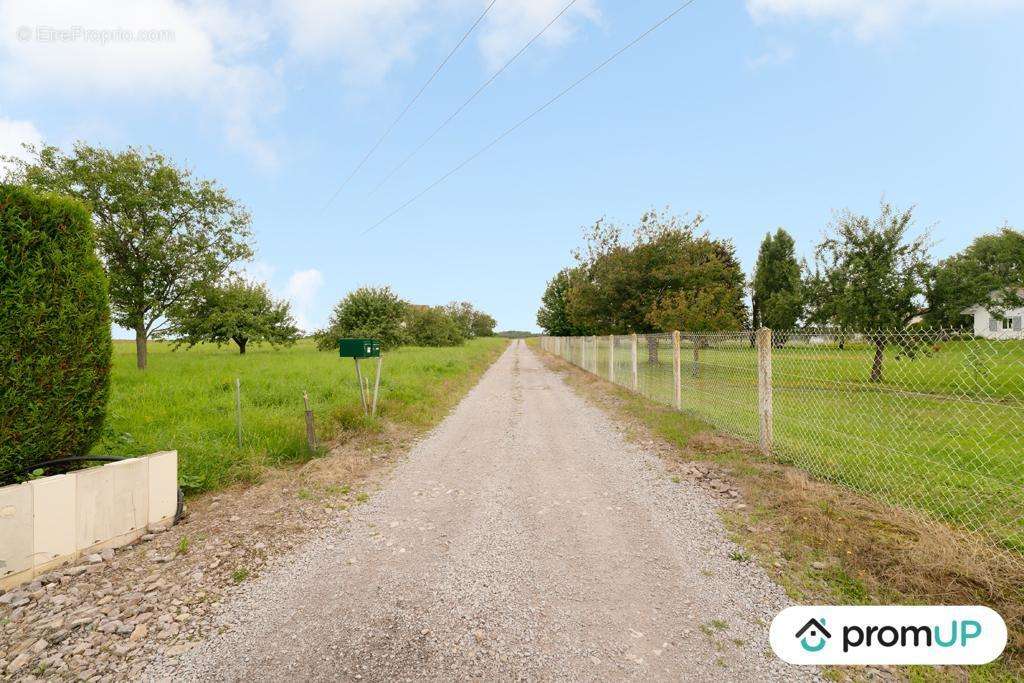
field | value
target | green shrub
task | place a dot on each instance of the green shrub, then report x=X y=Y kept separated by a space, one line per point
x=54 y=331
x=432 y=326
x=373 y=312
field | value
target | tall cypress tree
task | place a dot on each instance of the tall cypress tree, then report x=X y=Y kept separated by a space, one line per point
x=778 y=299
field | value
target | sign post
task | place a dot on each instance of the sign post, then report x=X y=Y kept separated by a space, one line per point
x=363 y=348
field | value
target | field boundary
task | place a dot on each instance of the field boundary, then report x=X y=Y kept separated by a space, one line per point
x=926 y=421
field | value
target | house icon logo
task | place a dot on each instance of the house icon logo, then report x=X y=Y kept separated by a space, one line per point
x=815 y=631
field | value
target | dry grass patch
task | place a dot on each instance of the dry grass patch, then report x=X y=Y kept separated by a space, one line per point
x=823 y=543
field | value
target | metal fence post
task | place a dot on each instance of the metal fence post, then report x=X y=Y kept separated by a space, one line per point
x=636 y=376
x=764 y=387
x=677 y=373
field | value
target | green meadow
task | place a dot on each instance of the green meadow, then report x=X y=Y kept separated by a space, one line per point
x=942 y=433
x=185 y=401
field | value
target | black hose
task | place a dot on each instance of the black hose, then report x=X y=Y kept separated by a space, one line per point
x=179 y=509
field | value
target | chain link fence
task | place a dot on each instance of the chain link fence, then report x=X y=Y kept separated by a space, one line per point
x=928 y=420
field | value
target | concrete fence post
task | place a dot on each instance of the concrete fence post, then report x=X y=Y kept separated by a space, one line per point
x=677 y=372
x=611 y=358
x=764 y=387
x=636 y=376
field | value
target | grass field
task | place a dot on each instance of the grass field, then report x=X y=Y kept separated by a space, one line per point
x=943 y=433
x=185 y=401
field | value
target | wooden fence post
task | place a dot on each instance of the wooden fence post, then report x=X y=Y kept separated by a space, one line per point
x=310 y=432
x=764 y=387
x=611 y=358
x=636 y=376
x=593 y=358
x=238 y=410
x=677 y=372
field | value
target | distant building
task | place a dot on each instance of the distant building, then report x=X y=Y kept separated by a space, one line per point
x=989 y=326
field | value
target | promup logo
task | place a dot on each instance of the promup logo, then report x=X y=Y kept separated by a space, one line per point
x=814 y=629
x=888 y=635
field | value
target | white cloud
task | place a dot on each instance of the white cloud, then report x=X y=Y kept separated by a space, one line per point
x=13 y=134
x=161 y=49
x=510 y=24
x=368 y=36
x=775 y=55
x=257 y=271
x=870 y=19
x=371 y=37
x=302 y=290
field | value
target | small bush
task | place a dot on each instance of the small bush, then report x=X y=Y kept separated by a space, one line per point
x=432 y=326
x=55 y=348
x=373 y=312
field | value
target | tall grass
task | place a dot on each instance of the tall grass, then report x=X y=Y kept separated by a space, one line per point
x=941 y=433
x=185 y=401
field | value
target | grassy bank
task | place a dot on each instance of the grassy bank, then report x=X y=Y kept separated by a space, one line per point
x=185 y=401
x=938 y=434
x=824 y=543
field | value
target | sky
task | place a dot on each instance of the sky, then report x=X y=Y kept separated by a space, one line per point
x=756 y=114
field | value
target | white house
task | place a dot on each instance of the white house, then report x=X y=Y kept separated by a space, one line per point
x=988 y=326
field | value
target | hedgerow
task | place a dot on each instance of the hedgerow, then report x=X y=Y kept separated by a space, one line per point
x=55 y=347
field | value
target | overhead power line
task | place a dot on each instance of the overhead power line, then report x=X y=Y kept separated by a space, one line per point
x=531 y=115
x=472 y=97
x=411 y=102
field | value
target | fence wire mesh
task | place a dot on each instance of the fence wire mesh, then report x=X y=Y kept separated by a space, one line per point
x=926 y=420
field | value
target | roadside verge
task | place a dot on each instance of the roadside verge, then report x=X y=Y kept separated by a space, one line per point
x=823 y=544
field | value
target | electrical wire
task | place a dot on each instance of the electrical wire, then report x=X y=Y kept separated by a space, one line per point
x=472 y=97
x=530 y=116
x=411 y=102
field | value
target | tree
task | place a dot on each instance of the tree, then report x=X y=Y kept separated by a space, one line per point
x=870 y=276
x=236 y=311
x=668 y=278
x=433 y=326
x=162 y=234
x=54 y=331
x=463 y=314
x=777 y=290
x=372 y=312
x=553 y=315
x=483 y=325
x=989 y=272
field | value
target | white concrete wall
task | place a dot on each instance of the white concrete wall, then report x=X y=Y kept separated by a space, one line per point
x=53 y=520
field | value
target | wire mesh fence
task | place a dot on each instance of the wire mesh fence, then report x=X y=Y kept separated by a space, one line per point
x=927 y=420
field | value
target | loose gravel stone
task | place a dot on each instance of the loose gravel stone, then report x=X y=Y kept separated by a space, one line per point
x=523 y=539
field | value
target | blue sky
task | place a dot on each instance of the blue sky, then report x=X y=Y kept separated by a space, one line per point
x=757 y=114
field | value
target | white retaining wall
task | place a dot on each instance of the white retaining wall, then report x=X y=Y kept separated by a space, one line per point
x=53 y=520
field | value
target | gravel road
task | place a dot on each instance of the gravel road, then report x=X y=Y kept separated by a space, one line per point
x=524 y=538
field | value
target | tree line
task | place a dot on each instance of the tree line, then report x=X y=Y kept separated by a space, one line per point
x=872 y=275
x=379 y=313
x=170 y=244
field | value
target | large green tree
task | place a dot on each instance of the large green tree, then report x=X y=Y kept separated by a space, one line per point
x=433 y=326
x=161 y=233
x=371 y=312
x=989 y=272
x=553 y=315
x=483 y=325
x=777 y=289
x=870 y=277
x=236 y=311
x=668 y=277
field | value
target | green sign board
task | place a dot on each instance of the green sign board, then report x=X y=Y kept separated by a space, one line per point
x=359 y=348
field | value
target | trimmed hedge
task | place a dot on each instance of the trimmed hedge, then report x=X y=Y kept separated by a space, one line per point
x=55 y=347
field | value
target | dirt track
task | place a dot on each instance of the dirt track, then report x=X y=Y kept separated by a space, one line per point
x=523 y=538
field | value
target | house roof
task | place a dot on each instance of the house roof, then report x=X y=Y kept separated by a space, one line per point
x=971 y=310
